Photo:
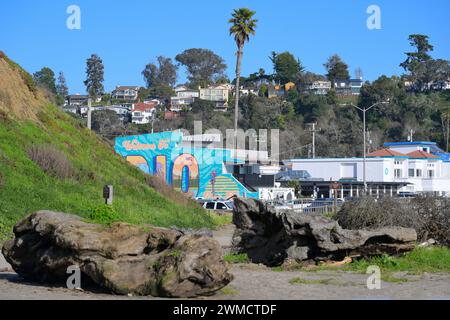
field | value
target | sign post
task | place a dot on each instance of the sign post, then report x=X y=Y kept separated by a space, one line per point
x=108 y=194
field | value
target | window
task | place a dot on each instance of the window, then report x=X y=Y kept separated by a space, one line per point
x=411 y=173
x=210 y=205
x=221 y=206
x=398 y=173
x=419 y=173
x=430 y=173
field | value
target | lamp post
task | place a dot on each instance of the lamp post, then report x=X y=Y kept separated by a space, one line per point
x=364 y=110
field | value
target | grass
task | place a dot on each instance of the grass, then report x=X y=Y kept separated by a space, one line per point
x=229 y=291
x=25 y=188
x=236 y=258
x=327 y=281
x=220 y=220
x=393 y=279
x=416 y=262
x=420 y=260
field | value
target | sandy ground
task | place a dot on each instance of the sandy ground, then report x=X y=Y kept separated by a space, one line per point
x=258 y=282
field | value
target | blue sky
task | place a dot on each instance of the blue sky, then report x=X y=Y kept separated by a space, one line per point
x=129 y=34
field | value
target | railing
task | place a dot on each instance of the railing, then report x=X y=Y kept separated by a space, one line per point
x=316 y=206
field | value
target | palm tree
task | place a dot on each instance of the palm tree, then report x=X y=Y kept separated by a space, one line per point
x=242 y=26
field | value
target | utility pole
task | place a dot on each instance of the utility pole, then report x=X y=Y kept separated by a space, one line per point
x=364 y=110
x=89 y=114
x=411 y=135
x=313 y=130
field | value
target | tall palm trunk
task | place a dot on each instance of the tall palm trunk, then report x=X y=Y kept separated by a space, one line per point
x=237 y=89
x=448 y=129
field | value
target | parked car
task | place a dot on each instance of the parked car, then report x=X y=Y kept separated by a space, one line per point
x=218 y=205
x=407 y=194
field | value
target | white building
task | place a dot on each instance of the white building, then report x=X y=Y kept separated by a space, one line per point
x=422 y=172
x=217 y=94
x=184 y=99
x=126 y=93
x=143 y=113
x=320 y=87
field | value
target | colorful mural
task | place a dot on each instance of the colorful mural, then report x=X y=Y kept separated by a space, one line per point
x=197 y=172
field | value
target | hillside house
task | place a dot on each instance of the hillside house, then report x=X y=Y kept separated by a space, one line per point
x=143 y=113
x=125 y=93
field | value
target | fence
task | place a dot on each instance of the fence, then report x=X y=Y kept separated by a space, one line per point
x=316 y=206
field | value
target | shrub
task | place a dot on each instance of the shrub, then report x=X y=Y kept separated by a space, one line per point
x=104 y=214
x=429 y=216
x=52 y=161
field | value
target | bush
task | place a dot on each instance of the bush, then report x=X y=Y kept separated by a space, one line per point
x=429 y=216
x=104 y=214
x=52 y=161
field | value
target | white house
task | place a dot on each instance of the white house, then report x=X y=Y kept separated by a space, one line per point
x=143 y=113
x=320 y=87
x=184 y=99
x=217 y=94
x=126 y=93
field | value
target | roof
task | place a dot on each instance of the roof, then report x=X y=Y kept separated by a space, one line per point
x=414 y=143
x=140 y=106
x=127 y=87
x=386 y=153
x=419 y=154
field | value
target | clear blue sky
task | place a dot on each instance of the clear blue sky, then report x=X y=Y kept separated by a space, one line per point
x=129 y=34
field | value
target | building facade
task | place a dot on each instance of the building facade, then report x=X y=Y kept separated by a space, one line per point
x=216 y=94
x=126 y=93
x=419 y=171
x=143 y=113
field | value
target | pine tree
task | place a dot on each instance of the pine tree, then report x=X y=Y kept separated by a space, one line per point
x=95 y=76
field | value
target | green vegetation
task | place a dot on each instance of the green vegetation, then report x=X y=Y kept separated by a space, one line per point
x=220 y=220
x=328 y=281
x=388 y=277
x=104 y=214
x=236 y=258
x=229 y=291
x=416 y=262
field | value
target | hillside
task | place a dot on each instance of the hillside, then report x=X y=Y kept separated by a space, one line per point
x=31 y=126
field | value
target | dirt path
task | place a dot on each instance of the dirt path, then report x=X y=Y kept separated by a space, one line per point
x=258 y=282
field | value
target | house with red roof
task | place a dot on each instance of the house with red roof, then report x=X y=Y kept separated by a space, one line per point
x=143 y=113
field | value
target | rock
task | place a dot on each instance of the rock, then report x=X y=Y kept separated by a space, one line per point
x=269 y=236
x=4 y=266
x=122 y=258
x=428 y=243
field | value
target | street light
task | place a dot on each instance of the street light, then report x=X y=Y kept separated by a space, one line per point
x=364 y=134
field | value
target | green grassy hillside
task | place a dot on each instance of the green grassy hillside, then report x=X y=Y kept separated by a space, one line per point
x=25 y=187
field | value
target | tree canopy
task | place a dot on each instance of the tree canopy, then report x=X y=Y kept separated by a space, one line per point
x=95 y=76
x=203 y=66
x=164 y=73
x=286 y=67
x=423 y=71
x=45 y=78
x=337 y=69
